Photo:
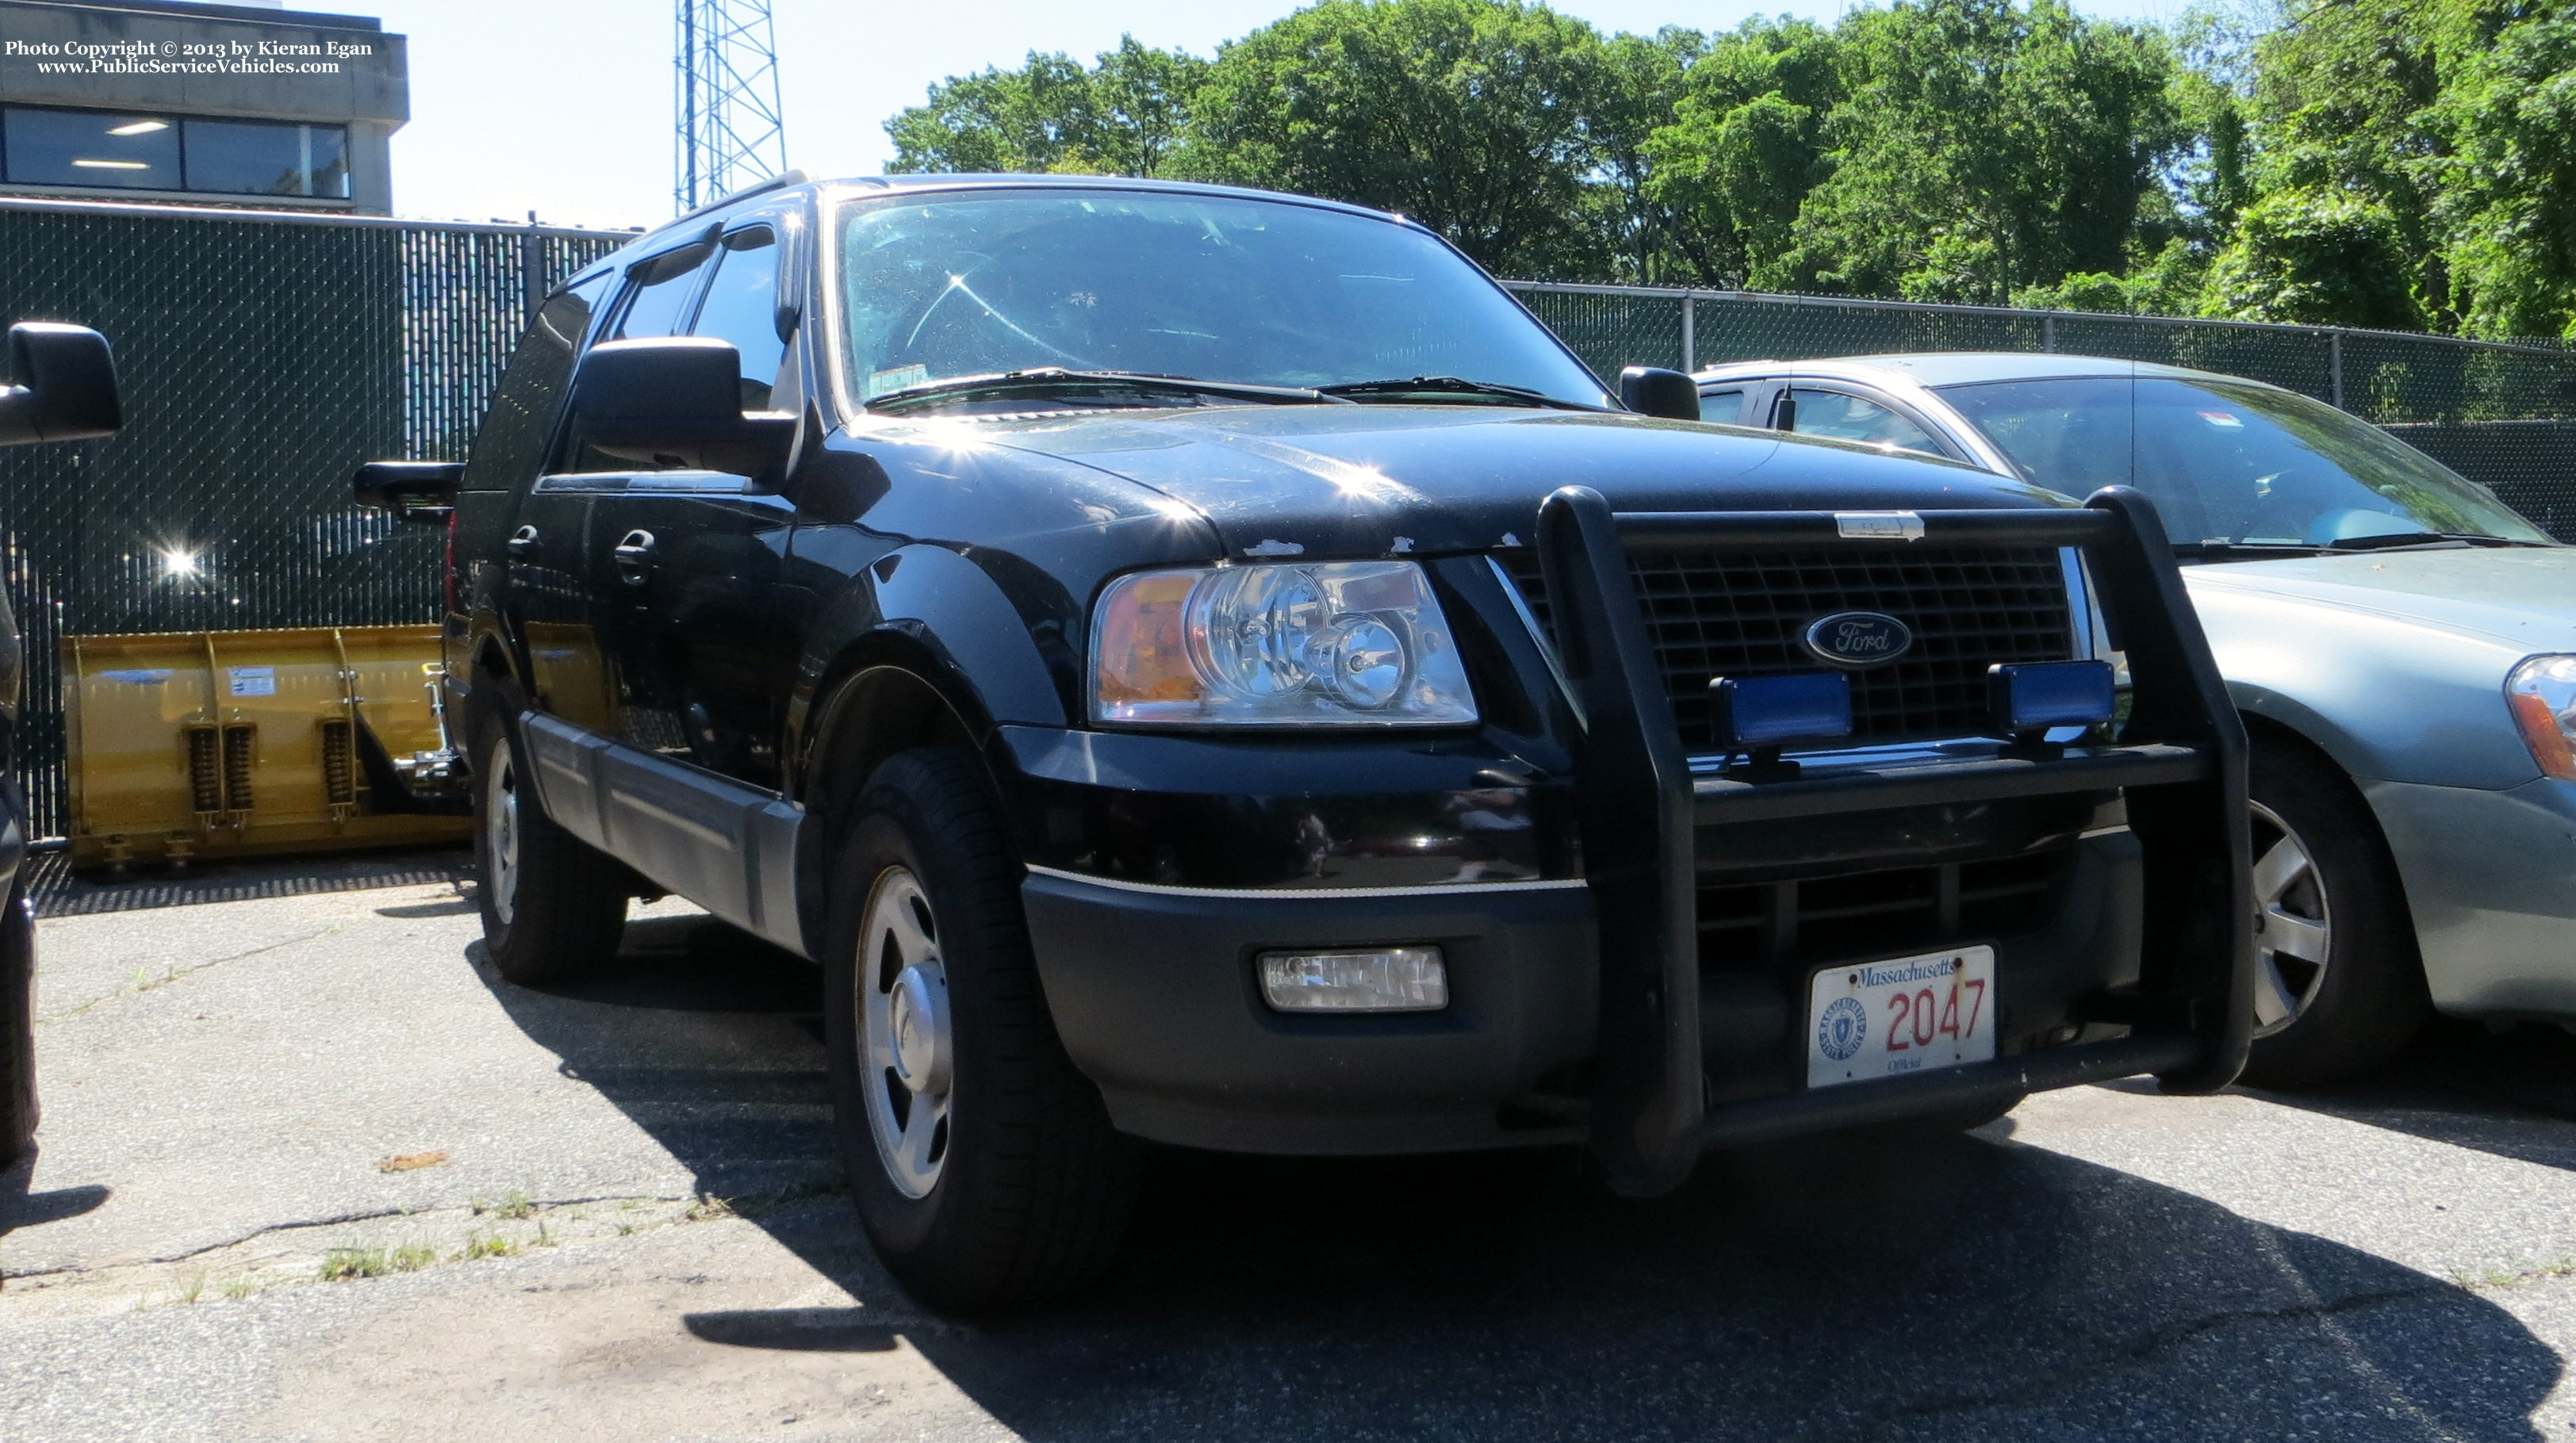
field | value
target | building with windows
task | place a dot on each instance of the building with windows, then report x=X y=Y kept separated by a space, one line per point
x=171 y=100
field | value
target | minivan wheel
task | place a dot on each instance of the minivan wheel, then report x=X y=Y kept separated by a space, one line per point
x=982 y=1163
x=553 y=905
x=2338 y=984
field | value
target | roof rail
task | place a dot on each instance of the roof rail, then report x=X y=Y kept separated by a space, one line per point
x=779 y=181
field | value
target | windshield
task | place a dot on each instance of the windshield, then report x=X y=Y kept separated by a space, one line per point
x=2230 y=461
x=1213 y=288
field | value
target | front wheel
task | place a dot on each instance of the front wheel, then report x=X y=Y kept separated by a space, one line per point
x=982 y=1163
x=2338 y=984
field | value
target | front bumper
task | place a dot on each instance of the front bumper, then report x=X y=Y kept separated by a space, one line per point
x=1601 y=994
x=1153 y=991
x=2491 y=879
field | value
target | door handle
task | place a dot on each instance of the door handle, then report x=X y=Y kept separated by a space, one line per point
x=635 y=557
x=523 y=544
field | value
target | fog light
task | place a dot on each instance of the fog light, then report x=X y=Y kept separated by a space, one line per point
x=2036 y=696
x=1382 y=979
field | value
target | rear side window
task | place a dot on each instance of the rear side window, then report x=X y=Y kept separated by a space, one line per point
x=1850 y=418
x=742 y=307
x=1726 y=406
x=521 y=419
x=658 y=303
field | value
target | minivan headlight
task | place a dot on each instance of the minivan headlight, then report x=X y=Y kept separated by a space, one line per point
x=1336 y=643
x=2542 y=694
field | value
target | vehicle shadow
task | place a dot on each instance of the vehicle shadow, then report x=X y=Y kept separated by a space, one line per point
x=22 y=1208
x=2511 y=1093
x=1945 y=1288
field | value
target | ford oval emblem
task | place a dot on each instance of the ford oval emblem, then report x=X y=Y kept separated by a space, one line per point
x=1858 y=638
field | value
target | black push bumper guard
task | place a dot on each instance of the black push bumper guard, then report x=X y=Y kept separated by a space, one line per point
x=2180 y=759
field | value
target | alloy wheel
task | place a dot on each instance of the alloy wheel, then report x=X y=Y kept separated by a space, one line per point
x=2294 y=934
x=907 y=1048
x=501 y=831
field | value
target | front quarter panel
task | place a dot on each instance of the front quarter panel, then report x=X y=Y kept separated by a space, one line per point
x=2386 y=698
x=983 y=558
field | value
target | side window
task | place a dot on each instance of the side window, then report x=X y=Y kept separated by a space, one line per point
x=1849 y=418
x=742 y=307
x=1726 y=406
x=512 y=442
x=657 y=303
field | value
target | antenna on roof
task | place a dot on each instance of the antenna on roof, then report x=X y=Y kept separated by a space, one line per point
x=731 y=132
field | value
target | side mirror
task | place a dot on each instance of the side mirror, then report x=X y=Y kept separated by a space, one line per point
x=1654 y=391
x=676 y=401
x=422 y=491
x=66 y=387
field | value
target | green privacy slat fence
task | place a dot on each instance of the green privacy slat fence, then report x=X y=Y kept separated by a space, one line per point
x=2502 y=415
x=262 y=359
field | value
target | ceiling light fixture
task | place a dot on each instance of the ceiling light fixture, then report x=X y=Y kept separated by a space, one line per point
x=113 y=164
x=140 y=127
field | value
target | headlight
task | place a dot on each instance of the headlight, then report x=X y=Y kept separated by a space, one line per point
x=1339 y=643
x=2542 y=694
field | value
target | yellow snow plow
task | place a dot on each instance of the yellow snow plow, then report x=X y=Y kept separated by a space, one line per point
x=186 y=745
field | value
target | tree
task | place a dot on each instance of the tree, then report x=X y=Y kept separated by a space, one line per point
x=1743 y=147
x=2318 y=257
x=1474 y=117
x=1983 y=147
x=2507 y=209
x=1123 y=116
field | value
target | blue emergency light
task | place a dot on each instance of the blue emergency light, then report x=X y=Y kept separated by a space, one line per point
x=1753 y=712
x=2025 y=698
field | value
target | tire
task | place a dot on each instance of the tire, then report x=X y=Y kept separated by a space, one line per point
x=553 y=906
x=18 y=1109
x=983 y=1165
x=2339 y=985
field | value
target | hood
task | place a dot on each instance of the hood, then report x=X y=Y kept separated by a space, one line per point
x=2521 y=597
x=1370 y=480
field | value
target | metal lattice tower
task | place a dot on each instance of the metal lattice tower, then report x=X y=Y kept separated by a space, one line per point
x=725 y=82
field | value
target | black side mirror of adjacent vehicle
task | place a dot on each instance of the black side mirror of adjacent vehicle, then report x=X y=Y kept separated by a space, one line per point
x=422 y=491
x=1654 y=391
x=676 y=401
x=66 y=385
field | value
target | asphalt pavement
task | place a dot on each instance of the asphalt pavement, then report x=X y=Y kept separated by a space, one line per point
x=309 y=1170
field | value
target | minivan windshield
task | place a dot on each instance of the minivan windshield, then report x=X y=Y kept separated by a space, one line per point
x=2229 y=461
x=1211 y=288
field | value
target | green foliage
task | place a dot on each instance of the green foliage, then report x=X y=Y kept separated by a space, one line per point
x=1474 y=117
x=1122 y=116
x=2507 y=208
x=1744 y=147
x=2402 y=163
x=1984 y=146
x=2315 y=256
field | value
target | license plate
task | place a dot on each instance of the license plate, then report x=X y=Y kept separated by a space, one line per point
x=1867 y=1020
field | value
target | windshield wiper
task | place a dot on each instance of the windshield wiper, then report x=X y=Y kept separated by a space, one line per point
x=1058 y=381
x=2220 y=549
x=1452 y=386
x=2398 y=540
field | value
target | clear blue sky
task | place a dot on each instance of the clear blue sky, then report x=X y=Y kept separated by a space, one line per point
x=564 y=106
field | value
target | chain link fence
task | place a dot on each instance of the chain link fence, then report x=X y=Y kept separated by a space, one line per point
x=262 y=358
x=2501 y=415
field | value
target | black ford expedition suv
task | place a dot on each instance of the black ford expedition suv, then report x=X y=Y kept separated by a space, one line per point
x=1208 y=667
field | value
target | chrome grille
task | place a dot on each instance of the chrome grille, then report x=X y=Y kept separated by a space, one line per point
x=1742 y=614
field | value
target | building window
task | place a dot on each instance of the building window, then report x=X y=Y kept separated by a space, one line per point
x=88 y=148
x=146 y=152
x=253 y=158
